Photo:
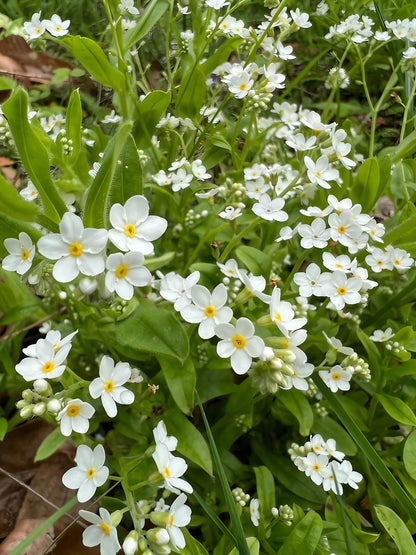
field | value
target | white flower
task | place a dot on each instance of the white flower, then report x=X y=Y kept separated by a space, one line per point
x=343 y=290
x=126 y=271
x=199 y=170
x=45 y=364
x=134 y=229
x=179 y=516
x=22 y=252
x=348 y=475
x=181 y=180
x=380 y=336
x=230 y=268
x=239 y=343
x=343 y=228
x=336 y=378
x=54 y=338
x=256 y=187
x=331 y=478
x=321 y=171
x=160 y=434
x=297 y=379
x=171 y=468
x=379 y=260
x=337 y=346
x=254 y=511
x=89 y=474
x=282 y=314
x=300 y=19
x=284 y=52
x=35 y=27
x=342 y=262
x=269 y=209
x=76 y=249
x=75 y=417
x=299 y=143
x=57 y=27
x=240 y=85
x=207 y=309
x=102 y=532
x=176 y=289
x=30 y=192
x=314 y=464
x=400 y=258
x=314 y=235
x=311 y=281
x=112 y=117
x=216 y=4
x=128 y=5
x=109 y=386
x=231 y=213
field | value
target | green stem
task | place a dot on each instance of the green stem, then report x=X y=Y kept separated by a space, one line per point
x=408 y=107
x=295 y=268
x=237 y=239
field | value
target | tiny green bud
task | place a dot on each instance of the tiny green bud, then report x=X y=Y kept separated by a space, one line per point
x=39 y=409
x=116 y=518
x=160 y=519
x=130 y=544
x=26 y=412
x=158 y=536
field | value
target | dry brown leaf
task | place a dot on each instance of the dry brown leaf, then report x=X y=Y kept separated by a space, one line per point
x=21 y=531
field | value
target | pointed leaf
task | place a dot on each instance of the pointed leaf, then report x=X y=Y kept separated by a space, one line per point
x=181 y=380
x=396 y=529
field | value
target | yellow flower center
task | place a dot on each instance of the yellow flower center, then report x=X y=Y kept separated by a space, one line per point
x=90 y=473
x=166 y=472
x=105 y=528
x=243 y=86
x=72 y=410
x=24 y=254
x=130 y=230
x=75 y=249
x=341 y=290
x=277 y=316
x=108 y=386
x=379 y=263
x=396 y=262
x=318 y=173
x=239 y=341
x=170 y=521
x=341 y=229
x=336 y=376
x=48 y=367
x=121 y=271
x=58 y=28
x=316 y=467
x=39 y=30
x=210 y=311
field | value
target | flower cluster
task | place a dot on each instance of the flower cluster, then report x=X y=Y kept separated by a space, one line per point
x=325 y=465
x=37 y=26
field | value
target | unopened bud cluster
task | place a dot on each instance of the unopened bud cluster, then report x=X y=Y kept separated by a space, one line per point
x=240 y=497
x=357 y=366
x=38 y=401
x=395 y=347
x=271 y=371
x=284 y=513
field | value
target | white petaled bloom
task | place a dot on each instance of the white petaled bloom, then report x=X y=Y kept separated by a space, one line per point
x=176 y=289
x=109 y=386
x=301 y=20
x=331 y=479
x=199 y=170
x=321 y=171
x=343 y=290
x=313 y=466
x=284 y=52
x=314 y=235
x=282 y=314
x=133 y=228
x=379 y=336
x=75 y=417
x=336 y=378
x=337 y=346
x=379 y=260
x=256 y=187
x=269 y=209
x=77 y=250
x=30 y=192
x=128 y=6
x=22 y=252
x=400 y=258
x=35 y=27
x=54 y=337
x=126 y=271
x=311 y=281
x=102 y=532
x=160 y=434
x=57 y=27
x=47 y=363
x=297 y=379
x=240 y=85
x=348 y=475
x=230 y=268
x=171 y=468
x=254 y=511
x=89 y=474
x=179 y=516
x=342 y=262
x=239 y=343
x=207 y=309
x=299 y=143
x=181 y=180
x=230 y=213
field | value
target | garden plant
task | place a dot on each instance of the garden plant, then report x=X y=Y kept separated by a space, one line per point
x=208 y=275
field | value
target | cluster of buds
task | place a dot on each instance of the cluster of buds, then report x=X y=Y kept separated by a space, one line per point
x=357 y=366
x=38 y=401
x=258 y=101
x=67 y=147
x=240 y=497
x=395 y=347
x=284 y=513
x=192 y=218
x=270 y=372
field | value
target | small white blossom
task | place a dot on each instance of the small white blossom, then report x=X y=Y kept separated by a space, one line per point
x=239 y=343
x=75 y=417
x=109 y=385
x=22 y=252
x=102 y=532
x=89 y=474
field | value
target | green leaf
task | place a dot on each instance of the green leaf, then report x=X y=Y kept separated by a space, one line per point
x=396 y=529
x=96 y=206
x=258 y=262
x=154 y=11
x=221 y=54
x=33 y=154
x=3 y=428
x=397 y=409
x=73 y=124
x=12 y=203
x=151 y=330
x=92 y=57
x=50 y=444
x=191 y=94
x=192 y=547
x=265 y=491
x=405 y=149
x=253 y=546
x=299 y=406
x=366 y=184
x=403 y=233
x=181 y=381
x=150 y=110
x=191 y=443
x=409 y=455
x=404 y=335
x=329 y=428
x=304 y=537
x=128 y=176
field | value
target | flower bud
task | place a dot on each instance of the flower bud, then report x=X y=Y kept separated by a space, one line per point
x=27 y=395
x=54 y=406
x=116 y=518
x=158 y=536
x=41 y=386
x=26 y=412
x=131 y=544
x=160 y=519
x=39 y=409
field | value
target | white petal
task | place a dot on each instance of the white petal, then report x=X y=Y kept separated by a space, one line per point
x=91 y=264
x=52 y=246
x=65 y=269
x=71 y=227
x=136 y=209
